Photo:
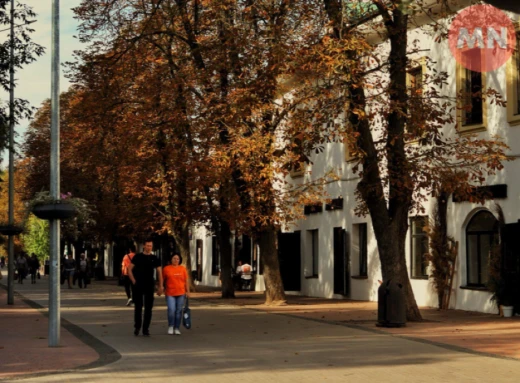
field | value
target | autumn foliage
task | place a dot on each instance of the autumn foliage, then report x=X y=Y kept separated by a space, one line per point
x=187 y=112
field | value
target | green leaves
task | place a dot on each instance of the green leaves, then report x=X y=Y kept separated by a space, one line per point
x=36 y=237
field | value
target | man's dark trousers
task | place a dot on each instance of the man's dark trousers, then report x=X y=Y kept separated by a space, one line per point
x=143 y=295
x=128 y=286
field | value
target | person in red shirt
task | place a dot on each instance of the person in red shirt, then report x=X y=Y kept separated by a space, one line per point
x=127 y=260
x=176 y=290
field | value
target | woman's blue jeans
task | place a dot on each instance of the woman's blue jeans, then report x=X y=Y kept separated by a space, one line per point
x=175 y=306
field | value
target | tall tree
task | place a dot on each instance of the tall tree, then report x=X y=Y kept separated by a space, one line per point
x=403 y=138
x=226 y=58
x=26 y=52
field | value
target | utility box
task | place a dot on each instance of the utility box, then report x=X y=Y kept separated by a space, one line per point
x=391 y=305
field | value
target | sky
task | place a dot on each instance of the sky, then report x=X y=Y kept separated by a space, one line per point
x=34 y=81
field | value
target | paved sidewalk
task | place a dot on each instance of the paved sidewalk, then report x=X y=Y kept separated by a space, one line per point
x=24 y=344
x=483 y=333
x=230 y=343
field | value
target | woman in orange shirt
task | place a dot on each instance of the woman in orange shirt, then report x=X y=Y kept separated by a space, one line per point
x=176 y=289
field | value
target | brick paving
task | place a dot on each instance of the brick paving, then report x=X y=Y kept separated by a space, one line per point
x=253 y=343
x=484 y=333
x=24 y=344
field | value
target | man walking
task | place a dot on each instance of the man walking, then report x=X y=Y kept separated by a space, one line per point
x=141 y=272
x=21 y=265
x=127 y=261
x=82 y=271
x=69 y=266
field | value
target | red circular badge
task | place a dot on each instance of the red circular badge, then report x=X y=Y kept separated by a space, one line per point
x=482 y=38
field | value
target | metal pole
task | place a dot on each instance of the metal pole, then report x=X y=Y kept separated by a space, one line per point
x=10 y=245
x=54 y=282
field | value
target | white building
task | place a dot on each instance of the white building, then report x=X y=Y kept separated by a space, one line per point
x=333 y=253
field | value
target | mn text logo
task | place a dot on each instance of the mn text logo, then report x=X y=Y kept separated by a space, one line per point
x=482 y=38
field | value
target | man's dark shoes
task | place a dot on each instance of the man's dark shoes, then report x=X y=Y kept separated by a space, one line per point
x=136 y=332
x=146 y=333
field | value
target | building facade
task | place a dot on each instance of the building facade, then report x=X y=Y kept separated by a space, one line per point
x=333 y=252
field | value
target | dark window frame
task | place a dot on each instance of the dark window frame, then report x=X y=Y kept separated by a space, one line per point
x=315 y=237
x=363 y=249
x=413 y=238
x=473 y=94
x=492 y=234
x=416 y=75
x=215 y=256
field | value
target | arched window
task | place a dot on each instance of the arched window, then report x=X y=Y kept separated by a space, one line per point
x=481 y=235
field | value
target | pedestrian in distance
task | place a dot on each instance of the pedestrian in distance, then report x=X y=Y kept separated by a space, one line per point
x=141 y=274
x=176 y=291
x=246 y=276
x=69 y=266
x=83 y=279
x=127 y=261
x=237 y=276
x=21 y=266
x=34 y=266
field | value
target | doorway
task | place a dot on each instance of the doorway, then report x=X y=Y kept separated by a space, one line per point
x=289 y=256
x=341 y=262
x=199 y=253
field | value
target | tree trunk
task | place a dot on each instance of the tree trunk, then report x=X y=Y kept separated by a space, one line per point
x=224 y=241
x=274 y=292
x=391 y=244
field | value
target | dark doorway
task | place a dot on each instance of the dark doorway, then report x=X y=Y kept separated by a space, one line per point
x=341 y=262
x=511 y=260
x=199 y=253
x=289 y=256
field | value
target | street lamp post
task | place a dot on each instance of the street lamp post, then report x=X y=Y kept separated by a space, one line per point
x=10 y=244
x=54 y=283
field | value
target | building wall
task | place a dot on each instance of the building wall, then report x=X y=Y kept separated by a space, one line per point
x=459 y=214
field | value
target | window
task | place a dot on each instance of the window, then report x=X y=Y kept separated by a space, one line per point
x=472 y=93
x=297 y=170
x=415 y=83
x=363 y=253
x=481 y=236
x=419 y=247
x=215 y=256
x=360 y=250
x=298 y=167
x=472 y=111
x=315 y=246
x=350 y=152
x=415 y=123
x=513 y=85
x=415 y=80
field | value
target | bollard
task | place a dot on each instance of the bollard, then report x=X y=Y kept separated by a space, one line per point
x=391 y=305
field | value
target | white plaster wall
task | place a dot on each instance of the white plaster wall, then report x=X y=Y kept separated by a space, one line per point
x=459 y=213
x=204 y=235
x=108 y=260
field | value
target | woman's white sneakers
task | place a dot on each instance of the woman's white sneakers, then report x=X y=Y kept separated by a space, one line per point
x=171 y=331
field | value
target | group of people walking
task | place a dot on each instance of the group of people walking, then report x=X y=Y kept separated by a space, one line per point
x=73 y=271
x=27 y=265
x=138 y=278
